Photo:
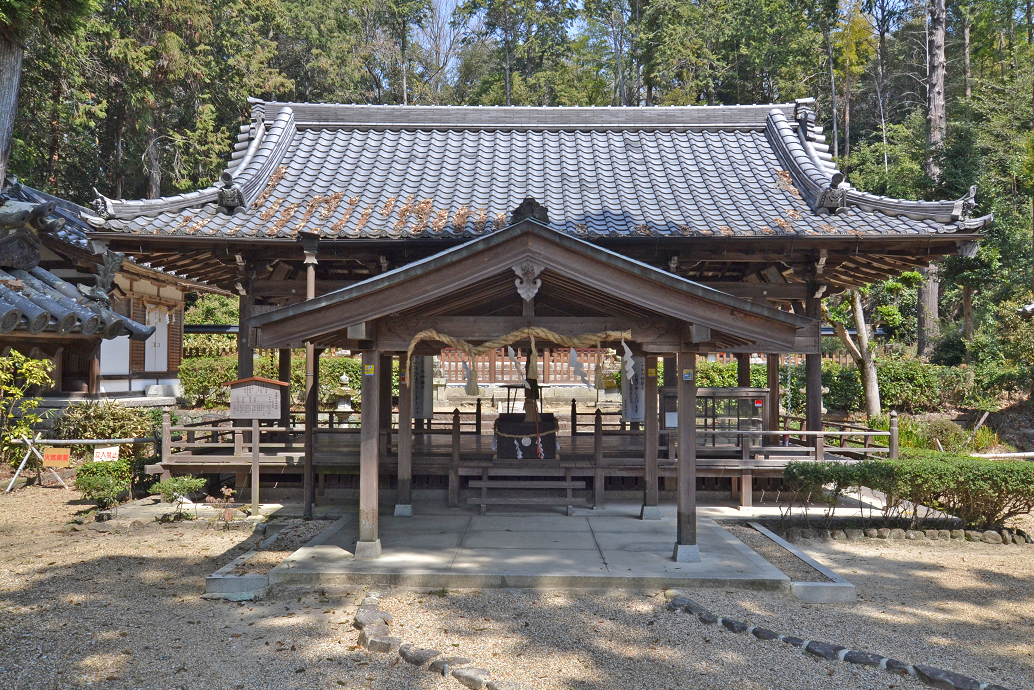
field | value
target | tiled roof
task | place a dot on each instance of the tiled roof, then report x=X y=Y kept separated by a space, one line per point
x=36 y=301
x=350 y=171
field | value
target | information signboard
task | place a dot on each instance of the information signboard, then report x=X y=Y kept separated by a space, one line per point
x=255 y=398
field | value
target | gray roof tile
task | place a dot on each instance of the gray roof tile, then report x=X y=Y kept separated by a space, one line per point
x=393 y=172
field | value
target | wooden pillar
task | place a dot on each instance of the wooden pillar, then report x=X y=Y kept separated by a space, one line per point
x=813 y=371
x=651 y=509
x=284 y=374
x=245 y=353
x=772 y=404
x=454 y=467
x=384 y=377
x=743 y=369
x=312 y=409
x=574 y=417
x=746 y=489
x=94 y=384
x=686 y=548
x=404 y=501
x=369 y=544
x=597 y=454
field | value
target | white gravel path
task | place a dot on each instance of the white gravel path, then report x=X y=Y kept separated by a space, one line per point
x=124 y=611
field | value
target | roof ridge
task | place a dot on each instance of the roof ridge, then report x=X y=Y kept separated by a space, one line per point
x=822 y=186
x=242 y=182
x=363 y=116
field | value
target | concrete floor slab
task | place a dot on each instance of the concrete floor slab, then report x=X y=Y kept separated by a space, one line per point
x=441 y=547
x=539 y=540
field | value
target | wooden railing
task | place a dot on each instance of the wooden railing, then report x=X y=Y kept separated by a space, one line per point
x=554 y=366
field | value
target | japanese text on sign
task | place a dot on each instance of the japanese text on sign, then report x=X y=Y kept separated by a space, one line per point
x=105 y=454
x=55 y=457
x=255 y=401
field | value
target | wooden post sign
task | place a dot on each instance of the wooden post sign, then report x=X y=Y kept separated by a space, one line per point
x=255 y=398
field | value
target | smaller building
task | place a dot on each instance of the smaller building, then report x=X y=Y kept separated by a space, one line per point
x=112 y=327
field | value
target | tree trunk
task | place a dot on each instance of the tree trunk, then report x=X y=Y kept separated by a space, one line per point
x=10 y=78
x=867 y=367
x=929 y=318
x=860 y=352
x=833 y=96
x=967 y=311
x=405 y=71
x=153 y=165
x=936 y=111
x=967 y=23
x=847 y=103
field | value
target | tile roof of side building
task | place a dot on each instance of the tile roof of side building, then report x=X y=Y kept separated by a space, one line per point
x=357 y=171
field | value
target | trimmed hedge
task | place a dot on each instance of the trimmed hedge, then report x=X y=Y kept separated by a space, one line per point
x=201 y=378
x=981 y=493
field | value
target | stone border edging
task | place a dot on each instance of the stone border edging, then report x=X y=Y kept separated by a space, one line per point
x=838 y=591
x=1002 y=536
x=936 y=677
x=223 y=584
x=374 y=636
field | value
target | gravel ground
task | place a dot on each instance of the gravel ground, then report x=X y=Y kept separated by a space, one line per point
x=294 y=534
x=124 y=611
x=793 y=567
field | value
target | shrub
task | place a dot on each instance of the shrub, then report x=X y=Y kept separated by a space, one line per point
x=981 y=493
x=106 y=419
x=104 y=483
x=176 y=489
x=202 y=379
x=18 y=416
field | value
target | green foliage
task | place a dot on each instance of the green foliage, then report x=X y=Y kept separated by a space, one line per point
x=102 y=488
x=106 y=419
x=174 y=488
x=177 y=490
x=212 y=309
x=202 y=379
x=18 y=417
x=981 y=493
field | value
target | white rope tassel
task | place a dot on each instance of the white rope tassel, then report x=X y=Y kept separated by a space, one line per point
x=533 y=362
x=516 y=367
x=578 y=369
x=472 y=378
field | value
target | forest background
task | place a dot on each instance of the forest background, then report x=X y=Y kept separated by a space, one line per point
x=142 y=98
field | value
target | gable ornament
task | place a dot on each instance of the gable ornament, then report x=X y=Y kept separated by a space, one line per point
x=529 y=208
x=528 y=281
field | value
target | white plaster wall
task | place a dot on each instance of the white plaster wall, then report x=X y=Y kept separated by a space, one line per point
x=115 y=356
x=114 y=386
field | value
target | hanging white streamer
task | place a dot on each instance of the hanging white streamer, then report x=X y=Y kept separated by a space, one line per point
x=472 y=382
x=517 y=367
x=627 y=364
x=578 y=370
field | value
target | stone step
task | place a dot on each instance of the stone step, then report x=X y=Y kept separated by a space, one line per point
x=528 y=500
x=524 y=484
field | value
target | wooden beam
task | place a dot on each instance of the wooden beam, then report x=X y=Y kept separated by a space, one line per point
x=778 y=291
x=397 y=335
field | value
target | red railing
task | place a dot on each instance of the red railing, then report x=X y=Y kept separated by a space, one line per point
x=496 y=367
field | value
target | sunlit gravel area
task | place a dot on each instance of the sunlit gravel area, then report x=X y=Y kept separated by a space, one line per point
x=83 y=609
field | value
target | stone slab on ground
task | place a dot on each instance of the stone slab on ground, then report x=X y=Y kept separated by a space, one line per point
x=591 y=549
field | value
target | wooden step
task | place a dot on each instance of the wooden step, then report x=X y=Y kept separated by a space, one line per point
x=524 y=484
x=528 y=500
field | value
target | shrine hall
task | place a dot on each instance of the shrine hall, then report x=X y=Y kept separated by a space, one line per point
x=510 y=237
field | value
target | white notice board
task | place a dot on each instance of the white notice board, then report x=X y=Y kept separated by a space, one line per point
x=255 y=400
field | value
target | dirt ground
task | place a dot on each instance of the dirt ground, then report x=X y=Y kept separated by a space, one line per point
x=83 y=609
